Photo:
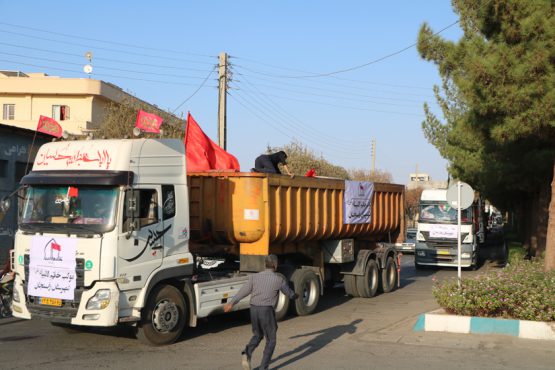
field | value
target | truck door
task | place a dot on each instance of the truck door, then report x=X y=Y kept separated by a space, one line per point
x=141 y=253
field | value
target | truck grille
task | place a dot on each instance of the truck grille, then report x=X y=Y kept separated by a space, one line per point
x=440 y=242
x=69 y=308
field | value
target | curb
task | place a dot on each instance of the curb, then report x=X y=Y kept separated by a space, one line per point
x=439 y=321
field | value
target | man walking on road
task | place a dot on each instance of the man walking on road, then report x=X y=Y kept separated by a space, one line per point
x=264 y=288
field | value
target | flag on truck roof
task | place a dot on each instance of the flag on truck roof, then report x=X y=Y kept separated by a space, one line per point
x=49 y=126
x=204 y=154
x=148 y=122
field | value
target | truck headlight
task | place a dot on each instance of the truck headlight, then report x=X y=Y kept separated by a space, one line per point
x=15 y=294
x=420 y=237
x=467 y=238
x=100 y=300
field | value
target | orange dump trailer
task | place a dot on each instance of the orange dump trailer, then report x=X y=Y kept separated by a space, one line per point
x=299 y=219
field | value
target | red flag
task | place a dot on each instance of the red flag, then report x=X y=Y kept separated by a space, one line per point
x=148 y=122
x=56 y=247
x=310 y=173
x=49 y=126
x=72 y=192
x=204 y=154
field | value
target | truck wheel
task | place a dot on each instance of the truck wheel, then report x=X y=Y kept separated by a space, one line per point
x=350 y=285
x=389 y=276
x=367 y=284
x=282 y=304
x=307 y=285
x=163 y=317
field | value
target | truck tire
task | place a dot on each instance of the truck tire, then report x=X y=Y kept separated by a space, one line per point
x=283 y=304
x=307 y=285
x=389 y=276
x=367 y=284
x=349 y=282
x=163 y=317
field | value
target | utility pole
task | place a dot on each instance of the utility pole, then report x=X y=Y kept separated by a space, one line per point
x=222 y=102
x=373 y=156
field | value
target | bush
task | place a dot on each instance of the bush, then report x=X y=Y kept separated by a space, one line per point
x=521 y=291
x=516 y=252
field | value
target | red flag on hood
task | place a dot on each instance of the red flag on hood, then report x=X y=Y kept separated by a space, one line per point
x=204 y=154
x=148 y=122
x=49 y=126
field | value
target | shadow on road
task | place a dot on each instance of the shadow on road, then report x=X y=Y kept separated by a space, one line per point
x=322 y=339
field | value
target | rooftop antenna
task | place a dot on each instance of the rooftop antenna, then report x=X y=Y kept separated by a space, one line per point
x=88 y=68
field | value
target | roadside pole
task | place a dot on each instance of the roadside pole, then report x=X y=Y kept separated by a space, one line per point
x=222 y=101
x=459 y=248
x=460 y=196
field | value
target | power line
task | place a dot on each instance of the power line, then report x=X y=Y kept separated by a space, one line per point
x=344 y=106
x=197 y=90
x=99 y=74
x=299 y=130
x=102 y=67
x=237 y=98
x=337 y=96
x=367 y=63
x=264 y=73
x=105 y=41
x=104 y=59
x=300 y=125
x=104 y=48
x=321 y=82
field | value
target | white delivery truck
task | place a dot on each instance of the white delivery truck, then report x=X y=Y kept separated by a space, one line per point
x=116 y=231
x=436 y=243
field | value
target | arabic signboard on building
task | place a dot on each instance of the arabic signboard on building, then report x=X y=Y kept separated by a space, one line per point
x=357 y=202
x=52 y=267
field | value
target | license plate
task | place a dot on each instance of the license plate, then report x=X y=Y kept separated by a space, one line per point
x=443 y=252
x=51 y=302
x=407 y=247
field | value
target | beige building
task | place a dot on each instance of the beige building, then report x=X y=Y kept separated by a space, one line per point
x=76 y=103
x=424 y=181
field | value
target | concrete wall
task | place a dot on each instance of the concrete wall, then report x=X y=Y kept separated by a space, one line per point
x=15 y=145
x=28 y=110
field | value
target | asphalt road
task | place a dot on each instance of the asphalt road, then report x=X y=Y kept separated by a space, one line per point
x=344 y=333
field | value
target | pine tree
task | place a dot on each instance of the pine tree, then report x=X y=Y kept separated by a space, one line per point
x=498 y=103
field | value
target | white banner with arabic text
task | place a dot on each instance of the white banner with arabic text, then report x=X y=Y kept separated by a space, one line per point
x=357 y=202
x=52 y=267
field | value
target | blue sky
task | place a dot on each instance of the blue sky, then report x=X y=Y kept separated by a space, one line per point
x=162 y=51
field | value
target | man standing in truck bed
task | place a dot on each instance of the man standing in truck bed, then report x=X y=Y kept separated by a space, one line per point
x=264 y=288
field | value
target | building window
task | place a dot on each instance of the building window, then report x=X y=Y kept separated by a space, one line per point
x=20 y=170
x=8 y=112
x=3 y=168
x=60 y=112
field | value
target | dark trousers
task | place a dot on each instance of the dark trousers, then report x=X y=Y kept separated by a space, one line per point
x=265 y=165
x=263 y=320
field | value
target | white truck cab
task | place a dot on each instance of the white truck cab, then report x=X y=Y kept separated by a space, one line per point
x=436 y=239
x=99 y=229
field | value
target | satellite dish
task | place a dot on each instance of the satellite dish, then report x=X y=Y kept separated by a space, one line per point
x=89 y=55
x=137 y=131
x=88 y=69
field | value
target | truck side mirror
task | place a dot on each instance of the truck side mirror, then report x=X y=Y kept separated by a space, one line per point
x=4 y=206
x=133 y=204
x=132 y=210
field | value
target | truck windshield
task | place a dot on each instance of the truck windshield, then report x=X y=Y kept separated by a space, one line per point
x=443 y=213
x=78 y=209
